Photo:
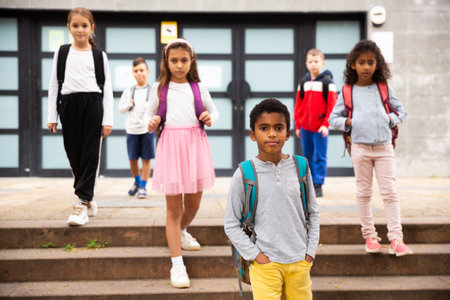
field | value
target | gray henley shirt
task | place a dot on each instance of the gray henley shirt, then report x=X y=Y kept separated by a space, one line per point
x=279 y=218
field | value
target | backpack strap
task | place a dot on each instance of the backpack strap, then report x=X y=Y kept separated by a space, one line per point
x=251 y=194
x=61 y=67
x=384 y=94
x=198 y=103
x=325 y=85
x=347 y=94
x=162 y=108
x=99 y=67
x=133 y=89
x=302 y=86
x=301 y=164
x=250 y=182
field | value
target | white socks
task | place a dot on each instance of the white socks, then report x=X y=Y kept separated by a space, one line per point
x=183 y=231
x=177 y=261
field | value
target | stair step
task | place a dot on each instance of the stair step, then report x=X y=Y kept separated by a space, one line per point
x=381 y=287
x=352 y=260
x=145 y=233
x=211 y=261
x=159 y=289
x=336 y=288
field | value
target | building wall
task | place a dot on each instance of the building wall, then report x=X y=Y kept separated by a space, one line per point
x=420 y=65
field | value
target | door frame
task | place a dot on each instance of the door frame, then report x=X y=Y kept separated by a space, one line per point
x=30 y=93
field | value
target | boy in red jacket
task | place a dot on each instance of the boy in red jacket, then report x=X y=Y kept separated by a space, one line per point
x=316 y=97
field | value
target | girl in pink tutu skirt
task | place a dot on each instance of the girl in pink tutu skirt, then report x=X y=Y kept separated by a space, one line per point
x=180 y=106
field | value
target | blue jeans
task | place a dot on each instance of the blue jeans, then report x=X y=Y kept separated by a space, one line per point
x=315 y=150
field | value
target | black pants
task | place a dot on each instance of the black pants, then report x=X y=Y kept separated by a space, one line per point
x=81 y=116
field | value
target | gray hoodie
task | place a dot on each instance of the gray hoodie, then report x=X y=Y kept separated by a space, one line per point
x=370 y=122
x=279 y=217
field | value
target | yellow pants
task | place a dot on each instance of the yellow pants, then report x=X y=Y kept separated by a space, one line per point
x=273 y=280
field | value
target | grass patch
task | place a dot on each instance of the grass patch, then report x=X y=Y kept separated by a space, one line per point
x=69 y=247
x=48 y=245
x=96 y=244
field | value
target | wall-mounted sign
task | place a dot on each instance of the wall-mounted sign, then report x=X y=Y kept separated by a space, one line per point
x=169 y=31
x=385 y=40
x=377 y=15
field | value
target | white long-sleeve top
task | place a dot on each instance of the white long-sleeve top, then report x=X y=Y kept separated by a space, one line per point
x=137 y=121
x=80 y=77
x=180 y=104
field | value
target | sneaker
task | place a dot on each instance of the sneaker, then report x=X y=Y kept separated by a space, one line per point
x=373 y=245
x=133 y=190
x=142 y=193
x=92 y=208
x=399 y=248
x=188 y=242
x=318 y=190
x=179 y=277
x=79 y=215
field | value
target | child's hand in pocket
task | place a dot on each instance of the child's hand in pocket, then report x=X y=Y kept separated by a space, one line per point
x=348 y=123
x=262 y=259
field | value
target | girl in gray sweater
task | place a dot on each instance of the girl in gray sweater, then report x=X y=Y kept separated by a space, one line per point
x=370 y=123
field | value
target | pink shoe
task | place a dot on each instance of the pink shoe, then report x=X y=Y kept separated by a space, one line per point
x=373 y=245
x=399 y=248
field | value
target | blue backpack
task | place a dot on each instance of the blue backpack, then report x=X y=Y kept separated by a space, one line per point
x=251 y=202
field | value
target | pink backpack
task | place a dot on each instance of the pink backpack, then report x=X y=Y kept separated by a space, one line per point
x=347 y=93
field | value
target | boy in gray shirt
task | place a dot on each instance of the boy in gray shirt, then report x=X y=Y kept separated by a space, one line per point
x=284 y=251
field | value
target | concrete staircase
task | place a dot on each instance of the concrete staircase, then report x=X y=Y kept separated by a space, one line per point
x=137 y=264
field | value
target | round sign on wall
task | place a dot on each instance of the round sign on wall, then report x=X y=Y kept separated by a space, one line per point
x=377 y=15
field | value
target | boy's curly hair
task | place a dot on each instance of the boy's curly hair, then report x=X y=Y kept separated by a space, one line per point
x=381 y=74
x=269 y=106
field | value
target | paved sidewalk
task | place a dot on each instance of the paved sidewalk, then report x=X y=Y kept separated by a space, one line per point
x=51 y=199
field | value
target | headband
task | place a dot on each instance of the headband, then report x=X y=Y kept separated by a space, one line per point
x=182 y=41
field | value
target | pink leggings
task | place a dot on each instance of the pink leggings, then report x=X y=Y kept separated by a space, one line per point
x=380 y=158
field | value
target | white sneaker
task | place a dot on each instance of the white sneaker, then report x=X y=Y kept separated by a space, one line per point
x=93 y=208
x=188 y=242
x=142 y=193
x=79 y=215
x=179 y=277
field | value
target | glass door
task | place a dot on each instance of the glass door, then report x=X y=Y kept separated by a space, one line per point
x=269 y=72
x=216 y=66
x=241 y=66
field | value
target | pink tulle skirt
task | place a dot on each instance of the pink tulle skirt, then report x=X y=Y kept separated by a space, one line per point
x=183 y=161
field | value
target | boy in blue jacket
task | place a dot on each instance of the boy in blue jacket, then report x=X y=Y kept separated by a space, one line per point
x=284 y=251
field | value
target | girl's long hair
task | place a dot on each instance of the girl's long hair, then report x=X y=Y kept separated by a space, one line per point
x=164 y=75
x=88 y=15
x=381 y=74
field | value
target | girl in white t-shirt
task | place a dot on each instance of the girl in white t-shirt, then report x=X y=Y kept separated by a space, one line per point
x=86 y=115
x=183 y=164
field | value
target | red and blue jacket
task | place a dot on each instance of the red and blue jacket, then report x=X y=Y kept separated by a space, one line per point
x=313 y=111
